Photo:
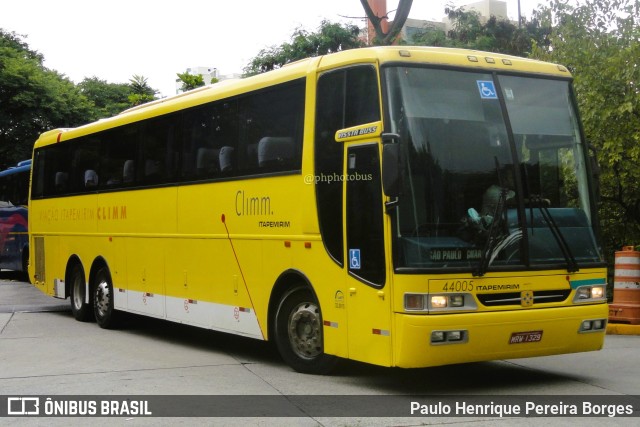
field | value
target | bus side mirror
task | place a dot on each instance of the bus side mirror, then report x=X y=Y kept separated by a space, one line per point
x=391 y=166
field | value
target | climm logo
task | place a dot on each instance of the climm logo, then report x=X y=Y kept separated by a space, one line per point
x=101 y=213
x=106 y=213
x=249 y=205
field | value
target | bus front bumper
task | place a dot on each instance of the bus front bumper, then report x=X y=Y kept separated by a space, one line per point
x=443 y=339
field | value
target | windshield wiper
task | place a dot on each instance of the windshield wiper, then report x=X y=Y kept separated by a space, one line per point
x=541 y=204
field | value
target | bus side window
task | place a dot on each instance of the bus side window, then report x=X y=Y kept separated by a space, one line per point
x=271 y=138
x=157 y=150
x=364 y=215
x=118 y=150
x=85 y=161
x=206 y=132
x=39 y=180
x=346 y=97
x=362 y=104
x=275 y=152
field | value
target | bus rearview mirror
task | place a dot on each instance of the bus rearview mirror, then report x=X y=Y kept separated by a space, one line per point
x=391 y=176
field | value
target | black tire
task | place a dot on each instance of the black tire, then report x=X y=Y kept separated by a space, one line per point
x=25 y=264
x=25 y=260
x=81 y=309
x=299 y=332
x=106 y=315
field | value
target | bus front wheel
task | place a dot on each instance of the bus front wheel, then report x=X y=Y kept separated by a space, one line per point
x=299 y=332
x=103 y=306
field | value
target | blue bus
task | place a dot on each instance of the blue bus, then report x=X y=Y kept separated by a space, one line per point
x=14 y=194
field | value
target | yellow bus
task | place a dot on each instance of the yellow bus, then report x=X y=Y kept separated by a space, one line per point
x=399 y=206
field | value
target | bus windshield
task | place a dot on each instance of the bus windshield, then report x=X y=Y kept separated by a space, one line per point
x=494 y=173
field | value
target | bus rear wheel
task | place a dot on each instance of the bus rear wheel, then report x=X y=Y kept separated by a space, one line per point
x=103 y=305
x=299 y=333
x=81 y=309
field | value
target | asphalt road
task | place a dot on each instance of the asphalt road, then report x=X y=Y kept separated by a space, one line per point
x=45 y=352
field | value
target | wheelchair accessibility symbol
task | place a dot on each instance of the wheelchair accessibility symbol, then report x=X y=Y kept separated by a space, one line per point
x=354 y=259
x=487 y=89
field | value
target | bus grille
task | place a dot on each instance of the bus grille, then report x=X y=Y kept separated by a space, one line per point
x=514 y=298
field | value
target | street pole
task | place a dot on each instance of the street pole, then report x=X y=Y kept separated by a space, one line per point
x=519 y=16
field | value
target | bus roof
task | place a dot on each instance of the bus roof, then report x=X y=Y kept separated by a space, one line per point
x=450 y=57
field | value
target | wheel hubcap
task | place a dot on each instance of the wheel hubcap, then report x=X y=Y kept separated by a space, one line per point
x=102 y=298
x=304 y=331
x=78 y=294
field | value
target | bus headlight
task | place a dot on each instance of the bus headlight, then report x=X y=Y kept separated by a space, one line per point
x=590 y=294
x=456 y=300
x=451 y=302
x=592 y=325
x=439 y=302
x=597 y=292
x=437 y=336
x=459 y=336
x=414 y=302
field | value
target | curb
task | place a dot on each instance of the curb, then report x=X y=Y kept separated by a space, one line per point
x=622 y=329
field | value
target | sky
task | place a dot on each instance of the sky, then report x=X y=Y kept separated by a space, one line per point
x=115 y=39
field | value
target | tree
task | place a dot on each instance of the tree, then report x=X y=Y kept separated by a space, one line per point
x=191 y=81
x=329 y=38
x=402 y=13
x=599 y=41
x=431 y=37
x=108 y=99
x=34 y=99
x=495 y=35
x=141 y=92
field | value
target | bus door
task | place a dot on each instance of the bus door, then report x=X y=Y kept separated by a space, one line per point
x=368 y=301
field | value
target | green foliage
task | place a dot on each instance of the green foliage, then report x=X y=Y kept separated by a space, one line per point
x=141 y=92
x=108 y=99
x=432 y=37
x=190 y=81
x=495 y=35
x=599 y=41
x=329 y=38
x=34 y=99
x=14 y=42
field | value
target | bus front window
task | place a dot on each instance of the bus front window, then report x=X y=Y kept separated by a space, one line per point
x=558 y=210
x=474 y=196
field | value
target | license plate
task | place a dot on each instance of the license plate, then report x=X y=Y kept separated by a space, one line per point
x=523 y=337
